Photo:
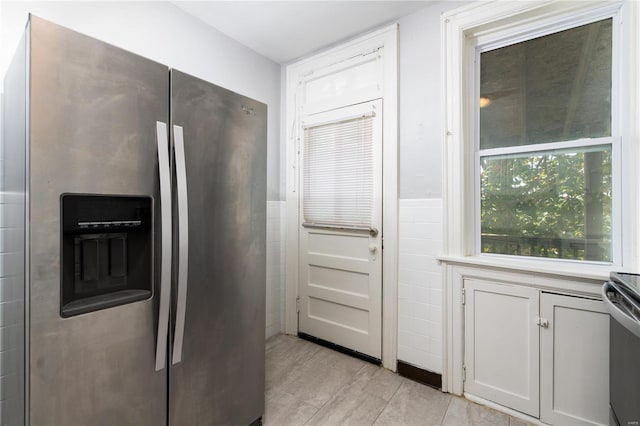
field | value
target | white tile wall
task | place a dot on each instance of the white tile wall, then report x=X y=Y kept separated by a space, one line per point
x=283 y=268
x=11 y=306
x=420 y=283
x=275 y=267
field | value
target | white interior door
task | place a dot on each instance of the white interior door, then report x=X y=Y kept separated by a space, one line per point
x=340 y=285
x=502 y=345
x=575 y=361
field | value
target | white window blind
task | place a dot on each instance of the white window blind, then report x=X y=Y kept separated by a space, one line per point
x=338 y=173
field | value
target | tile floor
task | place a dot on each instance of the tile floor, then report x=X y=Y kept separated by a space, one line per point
x=309 y=384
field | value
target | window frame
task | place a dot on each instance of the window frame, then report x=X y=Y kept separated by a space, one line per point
x=470 y=30
x=486 y=44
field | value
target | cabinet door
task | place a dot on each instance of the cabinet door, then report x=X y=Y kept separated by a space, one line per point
x=575 y=361
x=502 y=345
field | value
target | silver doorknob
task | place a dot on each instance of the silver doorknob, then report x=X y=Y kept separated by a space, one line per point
x=373 y=248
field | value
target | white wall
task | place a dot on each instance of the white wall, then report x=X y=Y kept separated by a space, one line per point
x=421 y=102
x=420 y=287
x=166 y=34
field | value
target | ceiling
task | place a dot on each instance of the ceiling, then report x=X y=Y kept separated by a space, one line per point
x=286 y=30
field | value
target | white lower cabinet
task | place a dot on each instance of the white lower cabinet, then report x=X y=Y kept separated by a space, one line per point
x=502 y=345
x=574 y=373
x=543 y=354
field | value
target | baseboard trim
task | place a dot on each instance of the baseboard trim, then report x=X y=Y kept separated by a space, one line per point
x=420 y=375
x=340 y=349
x=511 y=412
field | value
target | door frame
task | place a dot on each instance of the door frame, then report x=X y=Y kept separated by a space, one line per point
x=388 y=39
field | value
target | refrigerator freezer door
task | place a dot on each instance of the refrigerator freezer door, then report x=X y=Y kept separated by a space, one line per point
x=220 y=379
x=93 y=117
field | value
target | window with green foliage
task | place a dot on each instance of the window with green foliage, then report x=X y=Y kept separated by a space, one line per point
x=546 y=145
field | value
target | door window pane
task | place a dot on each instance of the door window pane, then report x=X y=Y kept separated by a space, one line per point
x=554 y=204
x=338 y=173
x=547 y=89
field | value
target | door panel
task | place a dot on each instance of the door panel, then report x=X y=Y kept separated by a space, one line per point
x=502 y=344
x=94 y=109
x=340 y=286
x=575 y=361
x=220 y=379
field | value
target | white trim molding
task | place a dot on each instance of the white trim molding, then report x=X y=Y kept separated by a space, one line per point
x=492 y=24
x=350 y=52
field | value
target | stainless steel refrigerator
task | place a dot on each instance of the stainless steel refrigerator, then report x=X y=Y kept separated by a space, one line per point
x=139 y=198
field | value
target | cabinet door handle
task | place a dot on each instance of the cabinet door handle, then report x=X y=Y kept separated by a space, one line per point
x=542 y=322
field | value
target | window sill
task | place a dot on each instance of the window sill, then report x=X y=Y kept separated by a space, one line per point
x=594 y=272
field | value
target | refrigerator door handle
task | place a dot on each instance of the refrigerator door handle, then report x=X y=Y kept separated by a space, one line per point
x=183 y=242
x=165 y=244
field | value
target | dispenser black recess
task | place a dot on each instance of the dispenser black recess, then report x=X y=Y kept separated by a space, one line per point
x=106 y=252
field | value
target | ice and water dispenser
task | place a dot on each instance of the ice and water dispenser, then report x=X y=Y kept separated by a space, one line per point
x=107 y=249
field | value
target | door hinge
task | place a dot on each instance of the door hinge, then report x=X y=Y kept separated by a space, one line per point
x=464 y=373
x=298 y=304
x=462 y=296
x=542 y=322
